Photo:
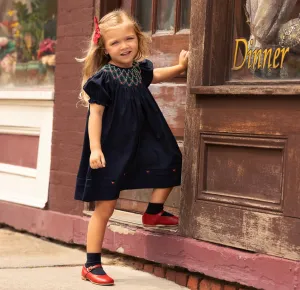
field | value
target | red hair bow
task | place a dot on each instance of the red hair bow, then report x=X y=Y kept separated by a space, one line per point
x=97 y=34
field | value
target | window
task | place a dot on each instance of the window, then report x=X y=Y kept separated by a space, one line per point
x=268 y=37
x=27 y=42
x=185 y=14
x=143 y=10
x=162 y=15
x=266 y=40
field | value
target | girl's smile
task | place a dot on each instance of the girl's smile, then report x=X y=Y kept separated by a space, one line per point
x=126 y=53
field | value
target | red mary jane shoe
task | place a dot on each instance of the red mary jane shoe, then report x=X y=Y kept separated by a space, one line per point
x=157 y=220
x=104 y=280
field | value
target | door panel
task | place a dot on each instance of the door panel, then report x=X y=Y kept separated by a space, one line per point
x=247 y=229
x=252 y=170
x=242 y=173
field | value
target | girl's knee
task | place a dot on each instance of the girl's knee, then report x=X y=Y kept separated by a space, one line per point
x=105 y=208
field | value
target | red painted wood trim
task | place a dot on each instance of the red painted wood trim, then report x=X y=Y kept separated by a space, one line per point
x=177 y=15
x=154 y=16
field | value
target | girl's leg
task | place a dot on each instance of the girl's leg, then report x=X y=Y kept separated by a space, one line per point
x=97 y=225
x=95 y=235
x=160 y=195
x=158 y=198
x=153 y=215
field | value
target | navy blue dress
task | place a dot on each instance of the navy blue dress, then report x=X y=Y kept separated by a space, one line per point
x=138 y=145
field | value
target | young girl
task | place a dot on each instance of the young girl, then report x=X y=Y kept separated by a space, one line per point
x=127 y=143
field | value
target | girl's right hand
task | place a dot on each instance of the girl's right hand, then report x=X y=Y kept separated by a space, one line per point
x=184 y=58
x=97 y=159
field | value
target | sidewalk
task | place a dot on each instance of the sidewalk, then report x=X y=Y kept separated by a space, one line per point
x=28 y=262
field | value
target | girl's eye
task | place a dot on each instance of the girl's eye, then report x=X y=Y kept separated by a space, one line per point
x=114 y=43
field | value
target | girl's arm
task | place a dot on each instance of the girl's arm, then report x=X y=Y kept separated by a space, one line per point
x=97 y=159
x=95 y=126
x=167 y=73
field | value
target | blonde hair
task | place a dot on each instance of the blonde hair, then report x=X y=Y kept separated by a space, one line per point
x=95 y=57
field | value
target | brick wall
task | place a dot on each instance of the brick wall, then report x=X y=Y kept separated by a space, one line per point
x=193 y=281
x=75 y=20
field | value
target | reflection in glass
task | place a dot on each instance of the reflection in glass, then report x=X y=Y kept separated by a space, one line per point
x=143 y=13
x=27 y=42
x=166 y=14
x=185 y=14
x=275 y=28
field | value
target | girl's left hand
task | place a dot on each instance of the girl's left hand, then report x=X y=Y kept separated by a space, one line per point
x=184 y=58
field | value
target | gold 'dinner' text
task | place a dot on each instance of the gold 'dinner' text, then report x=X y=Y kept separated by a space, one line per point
x=273 y=58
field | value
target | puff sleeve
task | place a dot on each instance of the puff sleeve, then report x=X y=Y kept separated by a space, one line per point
x=146 y=67
x=97 y=89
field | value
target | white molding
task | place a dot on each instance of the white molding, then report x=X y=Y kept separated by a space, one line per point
x=27 y=94
x=27 y=117
x=19 y=130
x=33 y=202
x=25 y=103
x=17 y=170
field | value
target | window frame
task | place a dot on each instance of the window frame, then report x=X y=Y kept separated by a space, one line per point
x=153 y=24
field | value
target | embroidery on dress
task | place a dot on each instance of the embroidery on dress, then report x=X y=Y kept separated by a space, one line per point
x=126 y=76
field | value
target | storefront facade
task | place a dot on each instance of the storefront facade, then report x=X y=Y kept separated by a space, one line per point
x=238 y=202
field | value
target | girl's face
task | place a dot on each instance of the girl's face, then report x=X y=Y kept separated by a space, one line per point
x=121 y=43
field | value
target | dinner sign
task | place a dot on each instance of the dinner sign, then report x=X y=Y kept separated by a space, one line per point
x=258 y=58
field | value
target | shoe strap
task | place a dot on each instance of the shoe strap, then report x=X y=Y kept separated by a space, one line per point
x=159 y=214
x=89 y=269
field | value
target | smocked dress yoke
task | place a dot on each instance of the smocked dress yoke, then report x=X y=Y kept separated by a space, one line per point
x=138 y=145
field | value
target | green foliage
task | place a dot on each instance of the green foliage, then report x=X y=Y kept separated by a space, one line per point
x=32 y=23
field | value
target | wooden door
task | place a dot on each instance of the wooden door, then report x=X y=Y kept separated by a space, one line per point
x=241 y=159
x=167 y=22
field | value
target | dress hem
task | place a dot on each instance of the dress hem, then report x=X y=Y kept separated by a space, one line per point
x=88 y=191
